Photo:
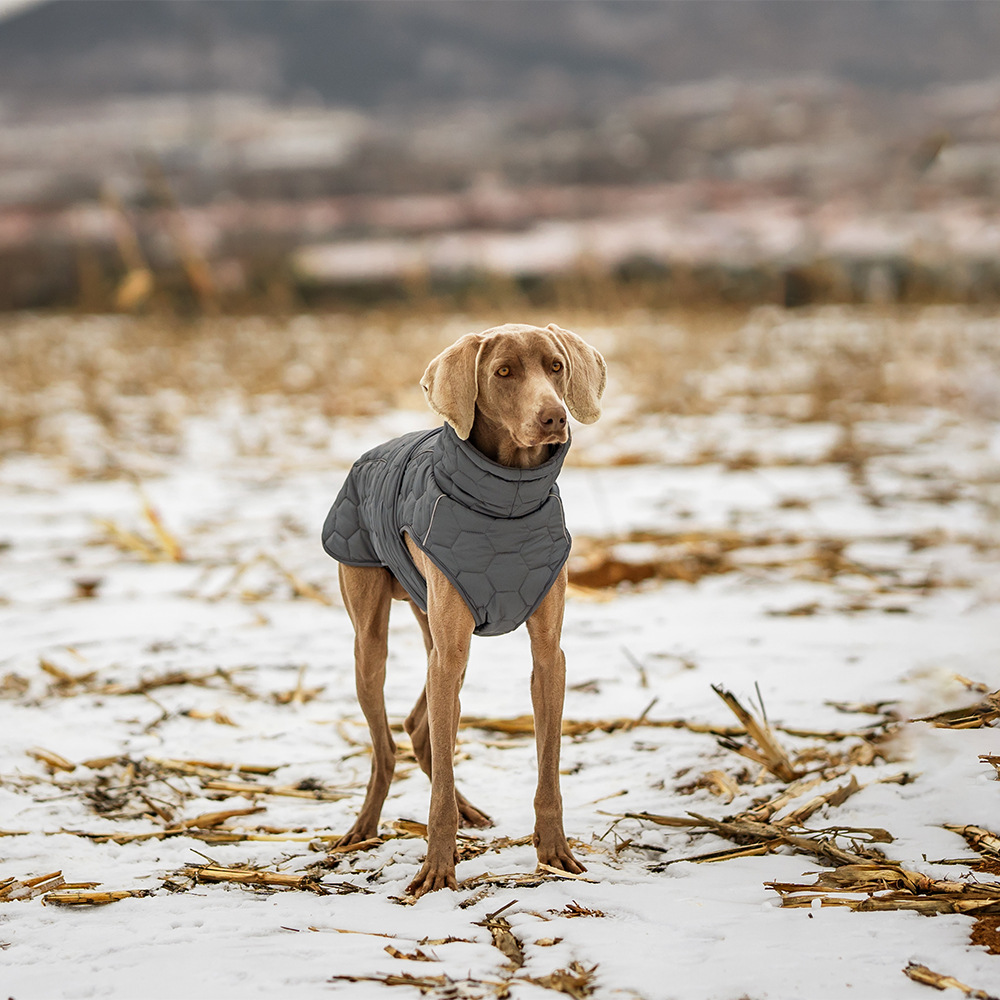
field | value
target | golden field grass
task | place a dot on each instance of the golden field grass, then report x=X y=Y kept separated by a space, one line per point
x=804 y=503
x=136 y=379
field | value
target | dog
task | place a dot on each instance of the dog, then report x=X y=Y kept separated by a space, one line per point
x=465 y=522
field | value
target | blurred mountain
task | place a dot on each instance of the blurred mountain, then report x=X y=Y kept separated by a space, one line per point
x=739 y=150
x=404 y=53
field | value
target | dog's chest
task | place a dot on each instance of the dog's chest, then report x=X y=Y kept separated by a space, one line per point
x=497 y=534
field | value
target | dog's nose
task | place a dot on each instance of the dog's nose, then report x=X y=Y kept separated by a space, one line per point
x=552 y=418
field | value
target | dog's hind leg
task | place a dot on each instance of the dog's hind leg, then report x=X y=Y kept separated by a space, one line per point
x=367 y=593
x=419 y=732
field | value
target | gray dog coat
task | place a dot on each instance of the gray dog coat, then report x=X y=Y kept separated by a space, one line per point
x=497 y=533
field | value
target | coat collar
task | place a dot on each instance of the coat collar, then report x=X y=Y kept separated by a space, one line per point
x=467 y=476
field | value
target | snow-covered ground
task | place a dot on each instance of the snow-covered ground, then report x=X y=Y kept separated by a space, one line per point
x=872 y=581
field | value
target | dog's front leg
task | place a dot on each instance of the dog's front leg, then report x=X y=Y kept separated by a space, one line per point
x=548 y=687
x=451 y=625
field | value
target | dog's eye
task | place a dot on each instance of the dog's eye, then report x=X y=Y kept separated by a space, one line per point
x=503 y=371
x=557 y=366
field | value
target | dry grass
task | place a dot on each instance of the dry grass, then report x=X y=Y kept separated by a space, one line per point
x=133 y=381
x=818 y=364
x=921 y=974
x=72 y=383
x=811 y=783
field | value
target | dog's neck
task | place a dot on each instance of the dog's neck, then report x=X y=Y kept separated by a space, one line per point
x=496 y=444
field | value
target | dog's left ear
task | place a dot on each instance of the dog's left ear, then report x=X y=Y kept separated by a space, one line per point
x=587 y=375
x=451 y=383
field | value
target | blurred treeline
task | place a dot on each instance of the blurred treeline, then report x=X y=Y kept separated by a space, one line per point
x=178 y=157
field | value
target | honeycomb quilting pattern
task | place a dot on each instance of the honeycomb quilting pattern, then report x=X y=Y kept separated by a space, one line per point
x=497 y=533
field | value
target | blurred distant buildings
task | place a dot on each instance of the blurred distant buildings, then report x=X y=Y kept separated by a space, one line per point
x=790 y=190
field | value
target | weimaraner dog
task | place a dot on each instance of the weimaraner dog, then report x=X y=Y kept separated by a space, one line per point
x=502 y=393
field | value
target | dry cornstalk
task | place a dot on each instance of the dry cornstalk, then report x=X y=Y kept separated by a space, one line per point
x=200 y=827
x=818 y=846
x=217 y=716
x=348 y=930
x=993 y=759
x=929 y=905
x=411 y=828
x=835 y=797
x=167 y=543
x=744 y=830
x=874 y=877
x=503 y=937
x=863 y=707
x=74 y=898
x=678 y=821
x=123 y=838
x=64 y=679
x=12 y=888
x=99 y=763
x=208 y=820
x=197 y=767
x=169 y=679
x=52 y=760
x=469 y=844
x=129 y=541
x=574 y=909
x=298 y=695
x=292 y=791
x=577 y=981
x=414 y=956
x=768 y=753
x=427 y=984
x=13 y=685
x=971 y=717
x=752 y=851
x=255 y=877
x=984 y=841
x=362 y=845
x=300 y=587
x=523 y=725
x=137 y=284
x=526 y=880
x=559 y=873
x=234 y=836
x=162 y=547
x=194 y=263
x=766 y=810
x=721 y=784
x=921 y=974
x=889 y=886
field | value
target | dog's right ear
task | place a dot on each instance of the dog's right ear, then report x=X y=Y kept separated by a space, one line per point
x=451 y=383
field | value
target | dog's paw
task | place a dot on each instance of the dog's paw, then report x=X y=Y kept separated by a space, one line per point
x=357 y=835
x=556 y=854
x=432 y=877
x=469 y=815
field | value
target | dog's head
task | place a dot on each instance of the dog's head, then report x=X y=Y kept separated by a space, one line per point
x=517 y=376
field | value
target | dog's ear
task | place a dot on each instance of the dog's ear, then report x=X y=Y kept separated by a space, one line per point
x=586 y=373
x=451 y=383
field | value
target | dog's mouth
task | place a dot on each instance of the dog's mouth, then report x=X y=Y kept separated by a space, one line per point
x=552 y=437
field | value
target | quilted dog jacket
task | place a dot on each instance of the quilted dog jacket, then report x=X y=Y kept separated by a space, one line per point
x=497 y=533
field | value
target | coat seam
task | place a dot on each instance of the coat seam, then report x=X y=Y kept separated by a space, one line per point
x=430 y=523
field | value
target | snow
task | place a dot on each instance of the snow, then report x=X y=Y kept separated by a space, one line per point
x=687 y=930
